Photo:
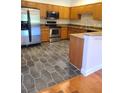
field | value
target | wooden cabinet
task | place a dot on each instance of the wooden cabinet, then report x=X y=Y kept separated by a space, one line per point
x=72 y=30
x=23 y=3
x=94 y=9
x=97 y=13
x=28 y=4
x=44 y=33
x=43 y=10
x=76 y=51
x=64 y=12
x=64 y=31
x=74 y=14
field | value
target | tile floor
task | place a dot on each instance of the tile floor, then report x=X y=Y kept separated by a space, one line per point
x=45 y=65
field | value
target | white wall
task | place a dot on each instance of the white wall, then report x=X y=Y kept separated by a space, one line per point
x=55 y=2
x=83 y=2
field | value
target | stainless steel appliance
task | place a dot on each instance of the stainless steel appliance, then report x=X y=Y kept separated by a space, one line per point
x=54 y=31
x=52 y=15
x=30 y=26
x=54 y=34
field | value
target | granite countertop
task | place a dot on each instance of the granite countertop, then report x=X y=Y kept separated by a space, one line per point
x=81 y=35
x=93 y=28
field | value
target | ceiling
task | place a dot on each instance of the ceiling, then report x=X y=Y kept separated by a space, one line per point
x=66 y=2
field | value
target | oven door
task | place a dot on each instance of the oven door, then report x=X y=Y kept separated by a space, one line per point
x=54 y=32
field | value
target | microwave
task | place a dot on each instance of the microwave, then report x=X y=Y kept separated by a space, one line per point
x=52 y=15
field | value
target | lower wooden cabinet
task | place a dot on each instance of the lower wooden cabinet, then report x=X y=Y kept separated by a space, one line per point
x=76 y=51
x=72 y=30
x=44 y=34
x=64 y=31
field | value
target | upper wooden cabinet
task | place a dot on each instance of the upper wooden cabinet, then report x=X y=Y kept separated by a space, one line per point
x=94 y=9
x=64 y=12
x=43 y=9
x=74 y=13
x=97 y=13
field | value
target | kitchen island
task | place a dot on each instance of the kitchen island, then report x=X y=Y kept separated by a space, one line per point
x=85 y=51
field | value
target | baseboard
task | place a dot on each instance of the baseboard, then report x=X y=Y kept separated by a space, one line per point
x=91 y=70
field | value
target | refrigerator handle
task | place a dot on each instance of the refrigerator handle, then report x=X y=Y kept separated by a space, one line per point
x=29 y=26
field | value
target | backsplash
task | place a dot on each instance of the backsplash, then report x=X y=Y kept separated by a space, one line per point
x=59 y=21
x=87 y=19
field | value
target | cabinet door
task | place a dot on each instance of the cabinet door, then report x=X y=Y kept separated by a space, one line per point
x=43 y=10
x=49 y=7
x=64 y=12
x=31 y=4
x=55 y=8
x=23 y=3
x=74 y=13
x=64 y=31
x=76 y=51
x=97 y=13
x=45 y=34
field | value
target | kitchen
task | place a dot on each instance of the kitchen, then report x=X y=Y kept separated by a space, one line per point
x=59 y=54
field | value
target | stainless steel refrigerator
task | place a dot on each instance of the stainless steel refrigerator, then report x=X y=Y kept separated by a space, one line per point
x=30 y=26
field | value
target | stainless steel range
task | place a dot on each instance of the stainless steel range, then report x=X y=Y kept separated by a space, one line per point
x=54 y=31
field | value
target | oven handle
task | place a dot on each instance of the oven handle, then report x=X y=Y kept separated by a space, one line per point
x=50 y=32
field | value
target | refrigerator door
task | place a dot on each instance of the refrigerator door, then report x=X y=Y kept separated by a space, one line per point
x=34 y=16
x=24 y=37
x=31 y=35
x=35 y=26
x=24 y=16
x=36 y=37
x=24 y=27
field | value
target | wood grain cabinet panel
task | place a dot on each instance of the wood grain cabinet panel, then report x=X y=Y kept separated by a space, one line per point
x=97 y=13
x=76 y=51
x=74 y=14
x=72 y=30
x=44 y=34
x=64 y=31
x=23 y=3
x=43 y=10
x=64 y=12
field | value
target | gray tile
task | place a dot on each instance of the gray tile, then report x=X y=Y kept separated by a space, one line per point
x=39 y=66
x=30 y=63
x=60 y=70
x=78 y=72
x=33 y=90
x=45 y=75
x=34 y=58
x=28 y=82
x=51 y=83
x=27 y=57
x=23 y=90
x=49 y=67
x=57 y=78
x=24 y=69
x=40 y=84
x=34 y=72
x=43 y=59
x=46 y=65
x=23 y=61
x=51 y=61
